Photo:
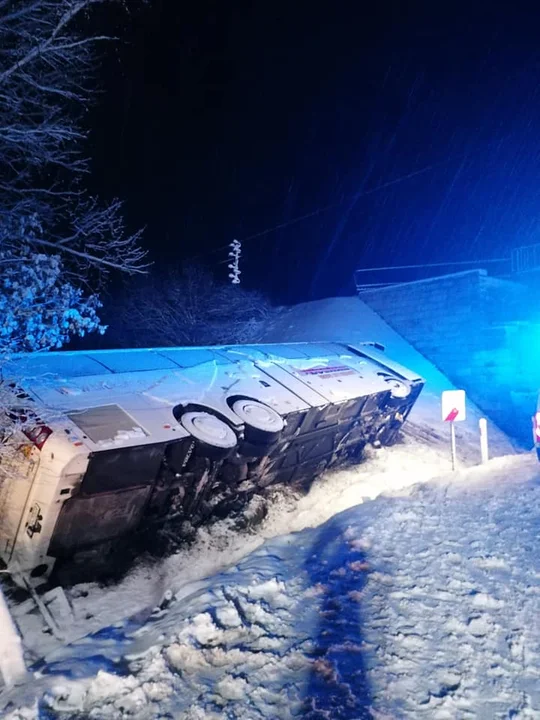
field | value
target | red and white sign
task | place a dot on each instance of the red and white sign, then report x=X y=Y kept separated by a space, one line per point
x=453 y=405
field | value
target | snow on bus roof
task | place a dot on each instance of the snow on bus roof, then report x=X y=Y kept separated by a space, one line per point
x=66 y=364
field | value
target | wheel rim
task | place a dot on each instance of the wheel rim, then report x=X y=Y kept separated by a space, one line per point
x=398 y=388
x=258 y=415
x=209 y=429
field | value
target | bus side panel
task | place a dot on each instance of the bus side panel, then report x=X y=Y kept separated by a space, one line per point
x=89 y=520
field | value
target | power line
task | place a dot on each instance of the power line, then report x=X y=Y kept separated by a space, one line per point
x=320 y=210
x=291 y=222
x=274 y=228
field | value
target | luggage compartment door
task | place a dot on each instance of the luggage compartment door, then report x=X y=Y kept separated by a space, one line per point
x=112 y=498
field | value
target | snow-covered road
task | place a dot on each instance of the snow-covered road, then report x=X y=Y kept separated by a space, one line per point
x=422 y=603
x=453 y=602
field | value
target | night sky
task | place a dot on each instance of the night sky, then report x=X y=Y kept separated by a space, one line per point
x=225 y=119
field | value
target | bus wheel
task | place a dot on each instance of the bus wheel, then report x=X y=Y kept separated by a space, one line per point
x=399 y=390
x=215 y=439
x=263 y=425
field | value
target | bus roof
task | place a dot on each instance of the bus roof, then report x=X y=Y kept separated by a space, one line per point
x=72 y=364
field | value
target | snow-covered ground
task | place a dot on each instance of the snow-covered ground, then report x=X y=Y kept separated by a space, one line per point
x=422 y=603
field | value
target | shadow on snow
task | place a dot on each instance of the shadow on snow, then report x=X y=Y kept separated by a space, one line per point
x=337 y=686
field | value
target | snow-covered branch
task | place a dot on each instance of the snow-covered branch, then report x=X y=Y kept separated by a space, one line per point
x=50 y=21
x=48 y=66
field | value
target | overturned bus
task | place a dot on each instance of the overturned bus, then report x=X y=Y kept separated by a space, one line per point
x=129 y=448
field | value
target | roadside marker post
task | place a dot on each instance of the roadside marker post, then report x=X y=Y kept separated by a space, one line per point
x=484 y=452
x=12 y=667
x=453 y=410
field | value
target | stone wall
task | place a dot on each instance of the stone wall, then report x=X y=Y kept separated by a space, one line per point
x=478 y=331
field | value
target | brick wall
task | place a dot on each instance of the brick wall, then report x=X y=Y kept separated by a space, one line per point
x=467 y=324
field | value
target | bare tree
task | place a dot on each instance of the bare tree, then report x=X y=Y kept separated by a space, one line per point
x=48 y=59
x=187 y=307
x=57 y=243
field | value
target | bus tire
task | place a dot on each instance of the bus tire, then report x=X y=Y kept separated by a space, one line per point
x=262 y=424
x=215 y=439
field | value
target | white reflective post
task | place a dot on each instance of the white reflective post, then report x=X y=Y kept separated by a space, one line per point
x=453 y=443
x=12 y=668
x=482 y=424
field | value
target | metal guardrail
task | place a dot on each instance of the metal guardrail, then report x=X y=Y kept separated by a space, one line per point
x=378 y=272
x=526 y=258
x=522 y=259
